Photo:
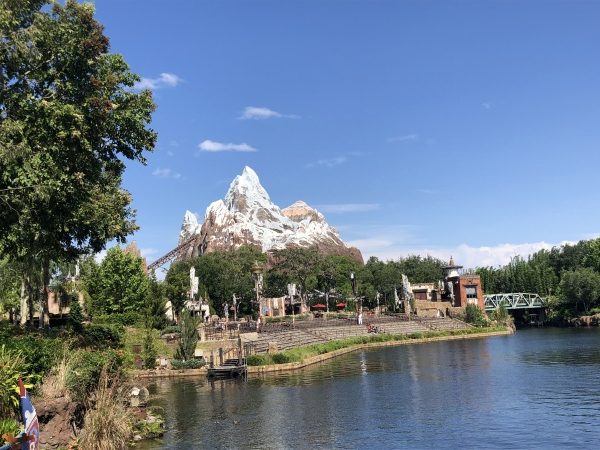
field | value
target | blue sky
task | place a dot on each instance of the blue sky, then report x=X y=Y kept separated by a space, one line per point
x=450 y=128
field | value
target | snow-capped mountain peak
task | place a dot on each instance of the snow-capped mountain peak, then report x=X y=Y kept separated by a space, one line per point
x=247 y=216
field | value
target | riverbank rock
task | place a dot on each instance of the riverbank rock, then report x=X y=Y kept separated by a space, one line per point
x=586 y=321
x=57 y=417
x=138 y=396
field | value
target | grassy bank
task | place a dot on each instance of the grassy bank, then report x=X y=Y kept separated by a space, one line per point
x=301 y=353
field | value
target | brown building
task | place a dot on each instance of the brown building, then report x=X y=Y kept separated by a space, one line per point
x=467 y=291
x=462 y=290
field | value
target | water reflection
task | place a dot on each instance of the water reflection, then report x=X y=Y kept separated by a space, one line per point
x=532 y=390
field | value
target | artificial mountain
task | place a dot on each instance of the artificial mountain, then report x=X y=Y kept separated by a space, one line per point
x=247 y=216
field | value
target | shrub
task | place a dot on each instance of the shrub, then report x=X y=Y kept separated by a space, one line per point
x=76 y=316
x=170 y=329
x=284 y=358
x=179 y=364
x=149 y=352
x=474 y=315
x=40 y=352
x=102 y=336
x=9 y=426
x=259 y=360
x=126 y=319
x=86 y=367
x=12 y=367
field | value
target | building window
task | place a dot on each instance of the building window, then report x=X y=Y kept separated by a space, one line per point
x=471 y=294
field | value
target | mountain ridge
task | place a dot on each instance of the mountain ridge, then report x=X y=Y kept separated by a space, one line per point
x=247 y=216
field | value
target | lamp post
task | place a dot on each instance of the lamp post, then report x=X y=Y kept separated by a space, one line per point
x=356 y=299
x=234 y=308
x=257 y=275
x=292 y=292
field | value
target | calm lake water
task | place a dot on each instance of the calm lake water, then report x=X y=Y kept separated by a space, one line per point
x=535 y=389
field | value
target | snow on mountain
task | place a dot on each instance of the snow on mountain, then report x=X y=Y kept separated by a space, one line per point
x=248 y=216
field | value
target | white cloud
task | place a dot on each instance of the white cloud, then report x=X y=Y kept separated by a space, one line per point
x=166 y=173
x=342 y=208
x=163 y=80
x=464 y=254
x=486 y=105
x=214 y=146
x=328 y=162
x=260 y=112
x=371 y=245
x=405 y=138
x=148 y=252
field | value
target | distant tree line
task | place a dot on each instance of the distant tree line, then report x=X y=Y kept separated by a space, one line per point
x=569 y=275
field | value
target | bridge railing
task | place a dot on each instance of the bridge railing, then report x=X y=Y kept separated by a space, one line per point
x=514 y=300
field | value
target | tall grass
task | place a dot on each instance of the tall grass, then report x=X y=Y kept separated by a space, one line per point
x=107 y=425
x=299 y=354
x=54 y=385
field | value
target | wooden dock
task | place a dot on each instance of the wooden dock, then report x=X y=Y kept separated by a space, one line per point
x=231 y=368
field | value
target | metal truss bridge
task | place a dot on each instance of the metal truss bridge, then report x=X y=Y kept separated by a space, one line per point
x=517 y=300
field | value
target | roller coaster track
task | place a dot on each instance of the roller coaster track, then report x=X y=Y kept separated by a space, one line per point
x=170 y=256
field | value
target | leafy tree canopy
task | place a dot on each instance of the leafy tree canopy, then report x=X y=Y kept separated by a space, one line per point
x=69 y=117
x=117 y=285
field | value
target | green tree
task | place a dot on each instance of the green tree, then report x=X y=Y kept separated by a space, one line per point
x=69 y=118
x=299 y=264
x=155 y=313
x=189 y=337
x=76 y=317
x=580 y=289
x=118 y=284
x=10 y=282
x=149 y=350
x=177 y=284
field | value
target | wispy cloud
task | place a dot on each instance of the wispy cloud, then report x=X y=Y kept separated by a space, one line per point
x=166 y=173
x=260 y=112
x=214 y=146
x=486 y=105
x=341 y=208
x=404 y=138
x=148 y=252
x=429 y=191
x=328 y=162
x=163 y=80
x=370 y=245
x=464 y=254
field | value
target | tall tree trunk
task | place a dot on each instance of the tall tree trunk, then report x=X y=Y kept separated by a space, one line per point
x=44 y=313
x=23 y=303
x=29 y=287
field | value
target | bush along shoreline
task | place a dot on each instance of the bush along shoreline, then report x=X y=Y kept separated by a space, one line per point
x=79 y=378
x=301 y=354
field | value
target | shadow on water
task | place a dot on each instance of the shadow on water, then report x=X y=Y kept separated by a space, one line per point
x=535 y=389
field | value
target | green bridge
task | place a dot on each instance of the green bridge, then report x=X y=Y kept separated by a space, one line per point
x=518 y=300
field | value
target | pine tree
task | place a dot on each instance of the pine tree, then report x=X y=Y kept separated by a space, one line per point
x=189 y=337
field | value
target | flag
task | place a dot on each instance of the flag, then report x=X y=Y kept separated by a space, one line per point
x=32 y=426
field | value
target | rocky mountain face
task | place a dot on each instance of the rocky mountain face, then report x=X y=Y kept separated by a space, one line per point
x=247 y=216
